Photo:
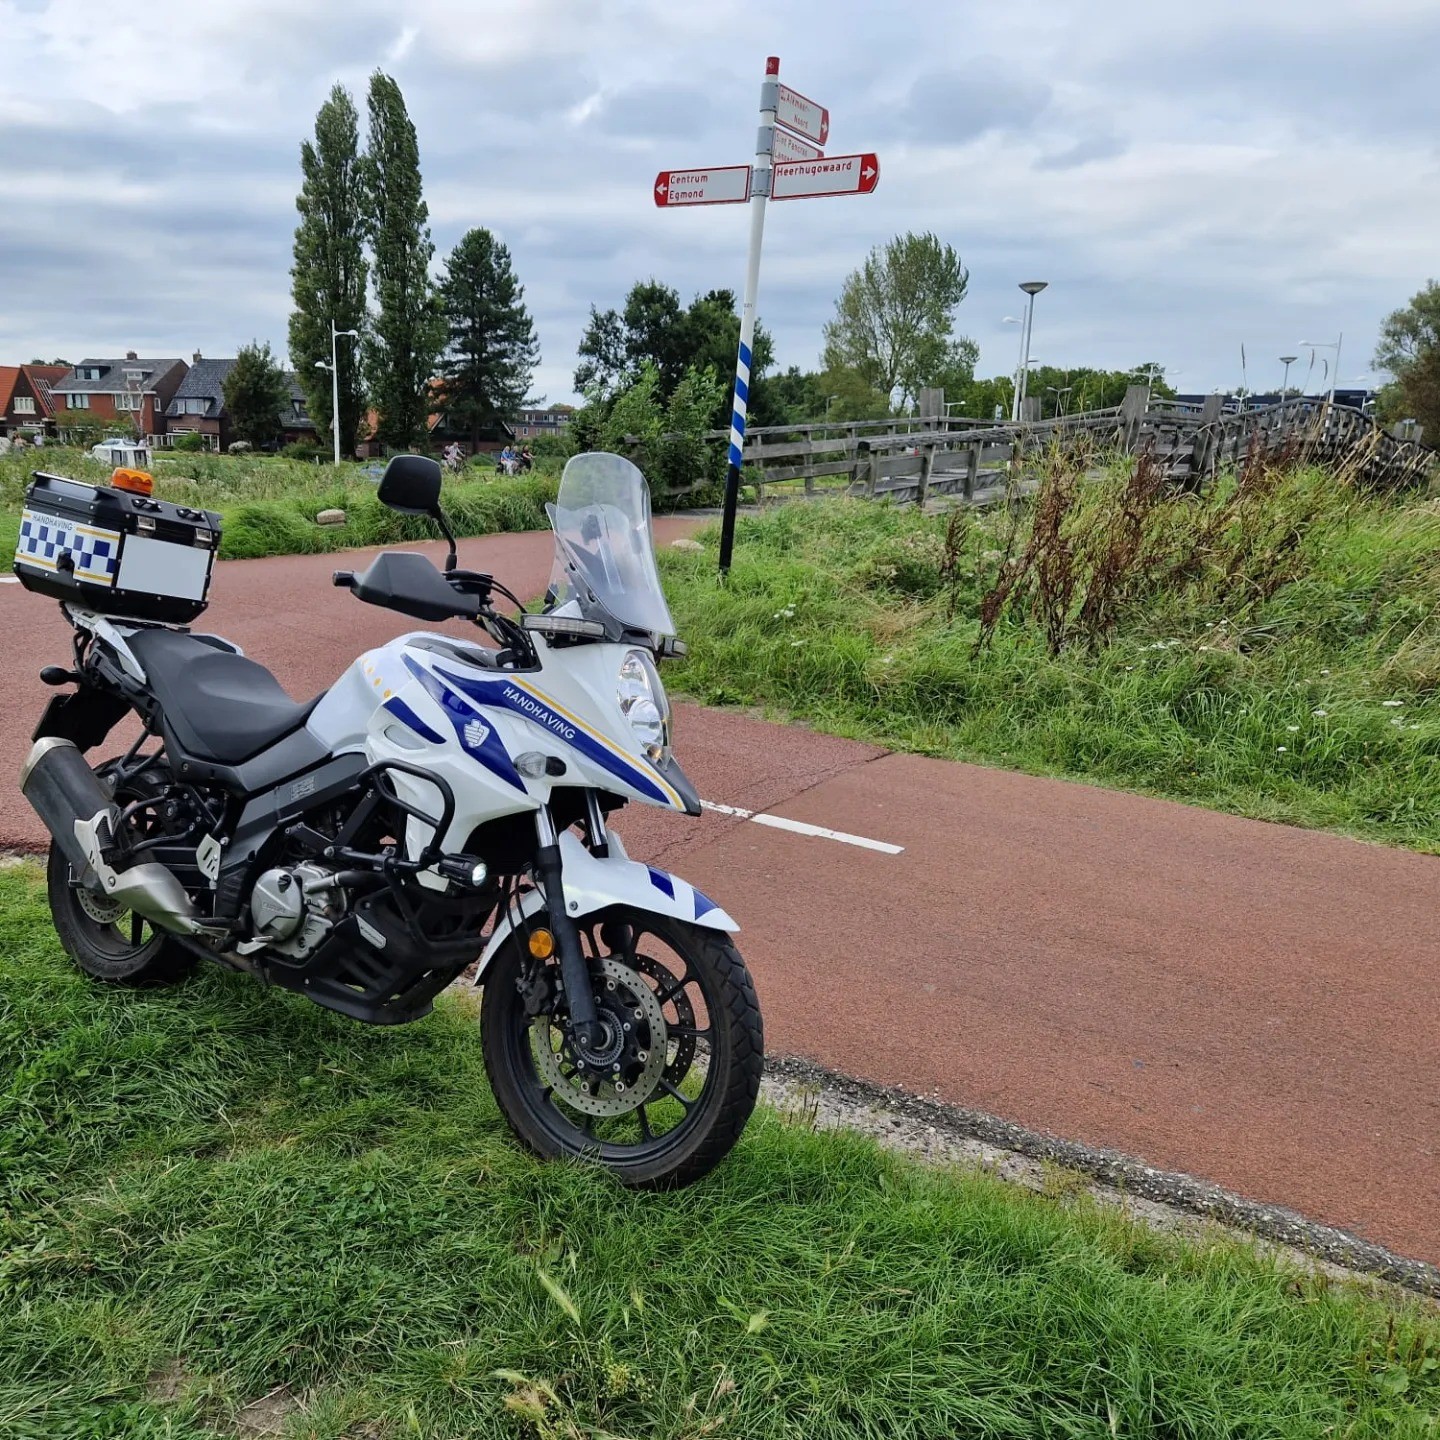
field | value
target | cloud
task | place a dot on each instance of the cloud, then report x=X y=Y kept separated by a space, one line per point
x=950 y=107
x=1083 y=152
x=1257 y=176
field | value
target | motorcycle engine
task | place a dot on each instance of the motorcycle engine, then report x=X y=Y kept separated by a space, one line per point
x=294 y=909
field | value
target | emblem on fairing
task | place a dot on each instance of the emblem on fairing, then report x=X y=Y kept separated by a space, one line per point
x=476 y=734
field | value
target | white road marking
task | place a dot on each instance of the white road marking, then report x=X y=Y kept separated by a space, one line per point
x=799 y=827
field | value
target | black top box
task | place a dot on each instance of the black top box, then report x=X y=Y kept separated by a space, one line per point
x=115 y=552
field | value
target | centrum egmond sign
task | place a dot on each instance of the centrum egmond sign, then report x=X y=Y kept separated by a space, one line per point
x=789 y=165
x=715 y=185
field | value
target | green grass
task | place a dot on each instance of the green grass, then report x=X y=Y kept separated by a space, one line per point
x=212 y=1191
x=269 y=504
x=1315 y=705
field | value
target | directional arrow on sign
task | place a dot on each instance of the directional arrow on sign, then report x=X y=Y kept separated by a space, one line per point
x=834 y=175
x=711 y=185
x=791 y=147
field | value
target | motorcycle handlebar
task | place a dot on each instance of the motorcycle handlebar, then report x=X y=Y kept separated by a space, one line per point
x=343 y=579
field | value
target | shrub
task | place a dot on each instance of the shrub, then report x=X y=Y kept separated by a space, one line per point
x=239 y=447
x=190 y=443
x=305 y=450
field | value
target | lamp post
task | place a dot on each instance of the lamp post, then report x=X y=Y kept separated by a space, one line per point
x=829 y=401
x=334 y=368
x=1328 y=345
x=1019 y=361
x=1287 y=361
x=1032 y=288
x=1059 y=392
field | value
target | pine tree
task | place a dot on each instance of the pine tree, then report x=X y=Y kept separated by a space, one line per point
x=255 y=394
x=329 y=273
x=490 y=351
x=408 y=333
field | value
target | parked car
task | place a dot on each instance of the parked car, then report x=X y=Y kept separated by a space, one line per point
x=129 y=453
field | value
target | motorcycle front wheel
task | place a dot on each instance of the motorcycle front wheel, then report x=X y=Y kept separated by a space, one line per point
x=661 y=1097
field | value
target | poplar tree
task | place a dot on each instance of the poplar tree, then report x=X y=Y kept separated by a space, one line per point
x=329 y=274
x=405 y=340
x=490 y=346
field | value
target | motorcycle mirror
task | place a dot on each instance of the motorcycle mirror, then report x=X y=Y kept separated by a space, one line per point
x=411 y=485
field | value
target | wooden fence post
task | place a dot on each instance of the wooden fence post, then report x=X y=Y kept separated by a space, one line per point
x=1205 y=440
x=927 y=464
x=1132 y=415
x=972 y=470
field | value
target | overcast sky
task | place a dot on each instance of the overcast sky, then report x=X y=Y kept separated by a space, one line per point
x=1187 y=178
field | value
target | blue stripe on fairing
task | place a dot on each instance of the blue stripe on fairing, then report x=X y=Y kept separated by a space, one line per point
x=662 y=882
x=490 y=752
x=401 y=711
x=703 y=904
x=494 y=693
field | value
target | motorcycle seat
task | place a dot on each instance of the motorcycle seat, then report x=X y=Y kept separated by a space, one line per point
x=220 y=706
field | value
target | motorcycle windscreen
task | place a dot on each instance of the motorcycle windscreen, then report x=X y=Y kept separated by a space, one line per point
x=604 y=554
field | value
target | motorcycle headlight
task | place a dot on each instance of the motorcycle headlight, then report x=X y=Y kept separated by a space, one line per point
x=643 y=703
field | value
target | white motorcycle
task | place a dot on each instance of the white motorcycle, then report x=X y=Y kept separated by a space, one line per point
x=444 y=803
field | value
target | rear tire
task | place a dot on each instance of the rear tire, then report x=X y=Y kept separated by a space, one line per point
x=107 y=942
x=697 y=988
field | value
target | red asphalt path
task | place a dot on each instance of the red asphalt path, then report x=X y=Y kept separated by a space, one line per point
x=1255 y=1005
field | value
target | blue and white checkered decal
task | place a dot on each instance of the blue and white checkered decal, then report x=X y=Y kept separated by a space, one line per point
x=44 y=538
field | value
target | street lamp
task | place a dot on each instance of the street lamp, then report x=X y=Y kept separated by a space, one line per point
x=1287 y=361
x=334 y=368
x=1059 y=392
x=1032 y=288
x=829 y=400
x=1019 y=361
x=1327 y=345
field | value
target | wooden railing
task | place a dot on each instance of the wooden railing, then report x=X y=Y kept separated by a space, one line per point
x=918 y=460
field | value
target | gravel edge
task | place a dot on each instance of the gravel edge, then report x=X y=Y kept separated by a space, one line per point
x=950 y=1134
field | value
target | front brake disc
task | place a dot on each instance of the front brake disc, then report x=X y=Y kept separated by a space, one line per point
x=607 y=1094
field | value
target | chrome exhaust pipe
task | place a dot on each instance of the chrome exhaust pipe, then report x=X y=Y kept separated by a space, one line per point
x=81 y=816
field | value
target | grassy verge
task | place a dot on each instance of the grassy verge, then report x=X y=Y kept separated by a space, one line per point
x=269 y=504
x=1282 y=666
x=211 y=1192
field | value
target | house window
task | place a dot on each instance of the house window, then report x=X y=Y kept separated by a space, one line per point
x=127 y=402
x=87 y=372
x=79 y=402
x=298 y=408
x=134 y=374
x=24 y=405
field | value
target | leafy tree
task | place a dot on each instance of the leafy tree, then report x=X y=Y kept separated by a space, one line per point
x=256 y=392
x=654 y=329
x=406 y=339
x=329 y=273
x=1409 y=348
x=80 y=427
x=490 y=351
x=894 y=320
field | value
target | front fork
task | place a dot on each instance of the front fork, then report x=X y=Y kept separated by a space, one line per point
x=574 y=973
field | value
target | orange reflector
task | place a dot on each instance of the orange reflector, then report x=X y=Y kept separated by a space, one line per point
x=542 y=944
x=138 y=482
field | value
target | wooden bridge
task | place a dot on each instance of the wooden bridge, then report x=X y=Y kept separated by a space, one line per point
x=920 y=460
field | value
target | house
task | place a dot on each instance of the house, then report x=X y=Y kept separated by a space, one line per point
x=26 y=404
x=296 y=426
x=132 y=388
x=551 y=421
x=442 y=431
x=198 y=406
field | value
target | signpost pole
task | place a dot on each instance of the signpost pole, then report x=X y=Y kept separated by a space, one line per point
x=759 y=193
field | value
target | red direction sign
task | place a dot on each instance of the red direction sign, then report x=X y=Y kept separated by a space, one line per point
x=834 y=175
x=712 y=185
x=803 y=116
x=791 y=147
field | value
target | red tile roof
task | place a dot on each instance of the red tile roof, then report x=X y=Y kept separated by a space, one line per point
x=9 y=376
x=41 y=378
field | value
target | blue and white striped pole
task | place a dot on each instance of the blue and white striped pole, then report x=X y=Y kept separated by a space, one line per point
x=759 y=193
